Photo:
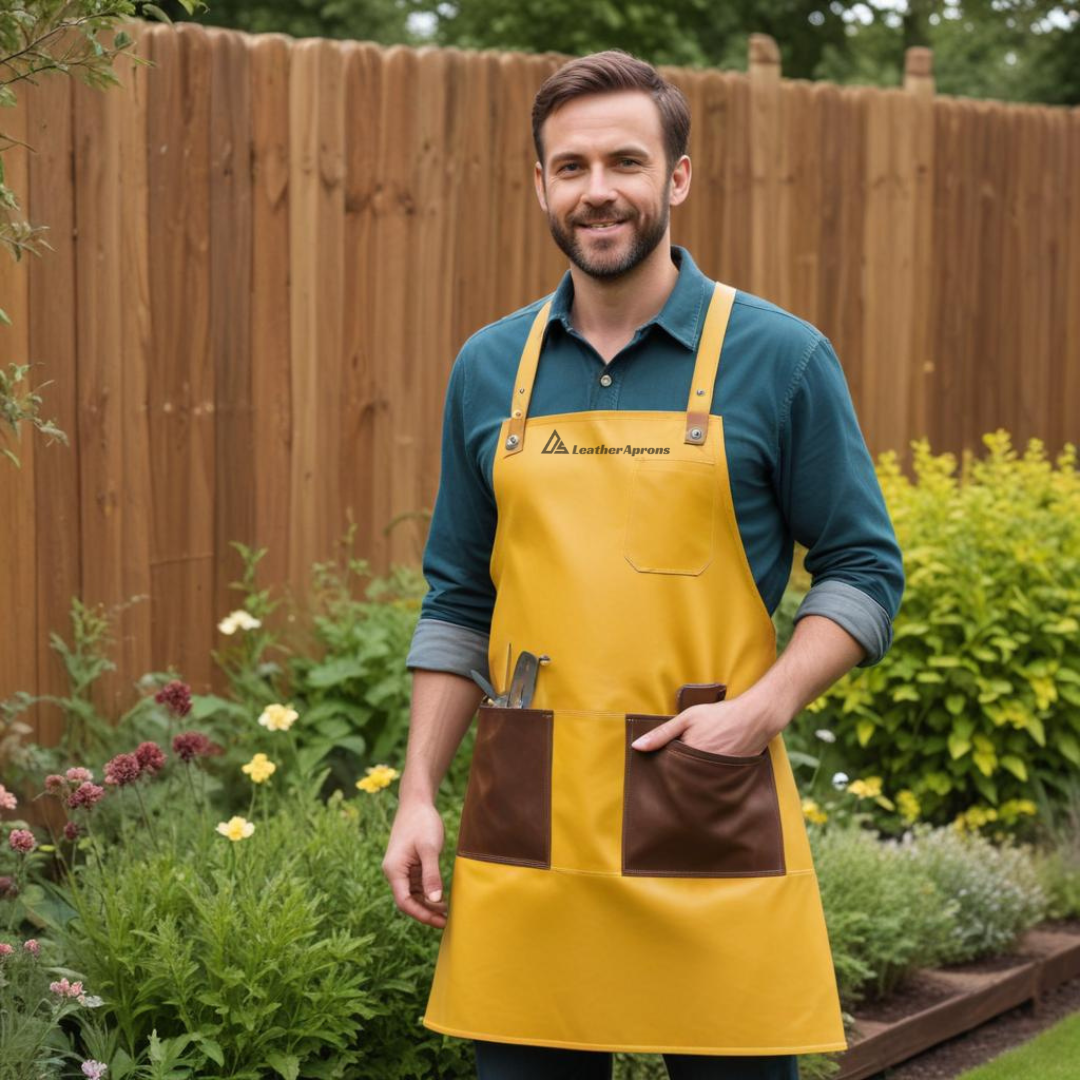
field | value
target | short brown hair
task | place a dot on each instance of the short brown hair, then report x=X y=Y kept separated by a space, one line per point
x=607 y=72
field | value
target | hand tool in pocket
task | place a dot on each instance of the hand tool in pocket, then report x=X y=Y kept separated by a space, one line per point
x=523 y=685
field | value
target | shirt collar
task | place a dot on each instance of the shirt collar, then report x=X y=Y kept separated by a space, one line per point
x=681 y=314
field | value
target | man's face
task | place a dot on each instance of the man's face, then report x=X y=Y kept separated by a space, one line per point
x=605 y=184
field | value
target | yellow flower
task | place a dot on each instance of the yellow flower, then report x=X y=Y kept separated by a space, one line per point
x=813 y=812
x=909 y=805
x=278 y=717
x=259 y=768
x=869 y=788
x=378 y=777
x=236 y=828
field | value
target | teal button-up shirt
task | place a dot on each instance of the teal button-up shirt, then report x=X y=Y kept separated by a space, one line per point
x=799 y=466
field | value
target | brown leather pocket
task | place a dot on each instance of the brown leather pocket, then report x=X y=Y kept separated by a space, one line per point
x=506 y=816
x=691 y=813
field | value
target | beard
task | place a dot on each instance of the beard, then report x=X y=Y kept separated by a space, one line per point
x=605 y=265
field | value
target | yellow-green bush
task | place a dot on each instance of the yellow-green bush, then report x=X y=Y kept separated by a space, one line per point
x=975 y=710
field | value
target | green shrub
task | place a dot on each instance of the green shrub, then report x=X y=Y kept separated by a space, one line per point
x=995 y=888
x=885 y=917
x=976 y=707
x=278 y=954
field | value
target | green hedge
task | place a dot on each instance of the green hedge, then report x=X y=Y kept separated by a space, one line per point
x=975 y=710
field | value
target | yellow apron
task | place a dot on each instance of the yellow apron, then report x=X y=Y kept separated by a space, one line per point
x=606 y=898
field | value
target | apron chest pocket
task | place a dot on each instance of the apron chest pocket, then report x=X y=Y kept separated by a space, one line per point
x=691 y=813
x=669 y=524
x=506 y=816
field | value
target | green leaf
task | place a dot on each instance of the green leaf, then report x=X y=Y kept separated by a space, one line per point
x=958 y=745
x=1068 y=745
x=863 y=730
x=285 y=1065
x=1016 y=766
x=955 y=703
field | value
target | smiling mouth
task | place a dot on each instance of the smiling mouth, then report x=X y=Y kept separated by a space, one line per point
x=599 y=226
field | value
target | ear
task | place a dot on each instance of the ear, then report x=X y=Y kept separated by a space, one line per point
x=680 y=180
x=538 y=182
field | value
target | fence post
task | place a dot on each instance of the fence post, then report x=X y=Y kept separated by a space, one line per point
x=764 y=71
x=919 y=71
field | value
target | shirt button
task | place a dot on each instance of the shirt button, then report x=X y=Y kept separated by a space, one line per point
x=605 y=380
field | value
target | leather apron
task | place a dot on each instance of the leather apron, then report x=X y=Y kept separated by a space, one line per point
x=602 y=897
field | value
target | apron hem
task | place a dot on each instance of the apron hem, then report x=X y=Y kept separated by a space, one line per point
x=733 y=1051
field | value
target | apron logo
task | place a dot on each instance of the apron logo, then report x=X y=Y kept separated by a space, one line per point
x=555 y=445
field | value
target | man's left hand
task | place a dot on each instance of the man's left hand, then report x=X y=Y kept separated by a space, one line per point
x=738 y=727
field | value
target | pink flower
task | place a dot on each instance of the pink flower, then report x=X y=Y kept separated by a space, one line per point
x=65 y=988
x=192 y=744
x=54 y=784
x=85 y=795
x=79 y=775
x=22 y=841
x=8 y=888
x=32 y=945
x=176 y=697
x=123 y=769
x=7 y=800
x=5 y=949
x=151 y=757
x=94 y=1070
x=72 y=830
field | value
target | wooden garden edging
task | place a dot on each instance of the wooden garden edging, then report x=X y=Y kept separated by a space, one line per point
x=976 y=998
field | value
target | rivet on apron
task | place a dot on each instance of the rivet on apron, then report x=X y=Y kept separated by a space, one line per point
x=695 y=433
x=700 y=392
x=511 y=442
x=517 y=412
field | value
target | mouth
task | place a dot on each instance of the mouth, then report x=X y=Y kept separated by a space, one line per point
x=601 y=226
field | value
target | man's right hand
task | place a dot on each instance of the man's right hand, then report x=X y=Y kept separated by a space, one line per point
x=411 y=863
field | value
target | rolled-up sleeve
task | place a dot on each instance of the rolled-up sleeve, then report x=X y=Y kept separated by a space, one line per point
x=455 y=616
x=832 y=500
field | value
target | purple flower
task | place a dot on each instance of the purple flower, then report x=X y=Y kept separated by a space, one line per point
x=72 y=831
x=123 y=769
x=192 y=744
x=176 y=697
x=9 y=888
x=85 y=795
x=151 y=757
x=22 y=841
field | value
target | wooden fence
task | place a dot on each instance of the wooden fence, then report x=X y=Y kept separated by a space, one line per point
x=267 y=252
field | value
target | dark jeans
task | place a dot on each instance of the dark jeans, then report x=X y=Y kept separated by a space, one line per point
x=509 y=1061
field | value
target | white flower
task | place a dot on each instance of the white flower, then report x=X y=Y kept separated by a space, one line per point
x=839 y=780
x=94 y=1070
x=91 y=1001
x=825 y=735
x=238 y=620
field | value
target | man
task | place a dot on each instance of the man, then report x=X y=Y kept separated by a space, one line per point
x=625 y=466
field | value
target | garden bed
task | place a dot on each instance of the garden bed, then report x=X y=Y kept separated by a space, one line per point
x=937 y=1005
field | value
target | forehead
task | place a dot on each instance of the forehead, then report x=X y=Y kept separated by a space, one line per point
x=596 y=122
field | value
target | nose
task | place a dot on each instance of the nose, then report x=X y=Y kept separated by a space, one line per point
x=599 y=189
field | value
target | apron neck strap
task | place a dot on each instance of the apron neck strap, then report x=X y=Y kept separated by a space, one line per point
x=701 y=385
x=707 y=364
x=523 y=382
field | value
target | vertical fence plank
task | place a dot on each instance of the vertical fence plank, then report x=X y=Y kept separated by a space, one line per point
x=230 y=310
x=271 y=384
x=52 y=336
x=181 y=380
x=19 y=524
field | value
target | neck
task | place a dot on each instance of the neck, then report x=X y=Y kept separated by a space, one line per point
x=615 y=308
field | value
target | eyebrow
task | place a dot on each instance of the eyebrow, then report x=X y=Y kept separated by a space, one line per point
x=622 y=151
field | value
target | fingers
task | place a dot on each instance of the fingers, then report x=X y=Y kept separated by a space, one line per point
x=406 y=884
x=660 y=734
